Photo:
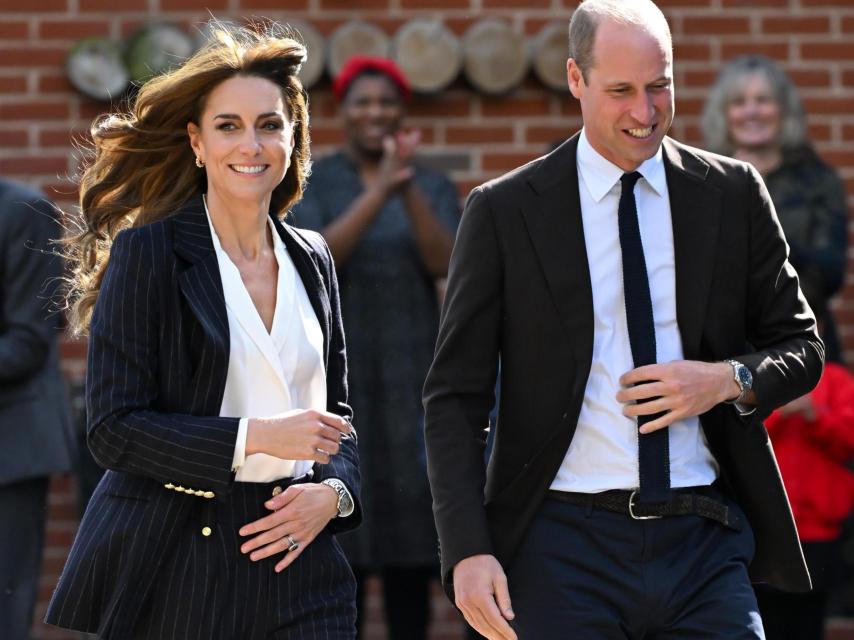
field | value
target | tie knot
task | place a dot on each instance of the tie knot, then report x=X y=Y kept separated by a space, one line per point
x=630 y=179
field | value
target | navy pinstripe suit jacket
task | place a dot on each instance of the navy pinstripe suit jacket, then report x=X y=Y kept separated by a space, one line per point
x=157 y=365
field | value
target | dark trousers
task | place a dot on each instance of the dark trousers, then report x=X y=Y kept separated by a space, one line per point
x=209 y=590
x=406 y=596
x=590 y=574
x=22 y=521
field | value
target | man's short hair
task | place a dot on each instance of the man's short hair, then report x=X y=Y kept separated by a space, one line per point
x=588 y=15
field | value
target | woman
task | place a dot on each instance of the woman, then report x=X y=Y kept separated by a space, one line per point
x=389 y=224
x=753 y=113
x=216 y=385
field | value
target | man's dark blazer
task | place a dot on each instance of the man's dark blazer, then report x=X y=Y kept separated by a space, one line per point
x=158 y=359
x=35 y=429
x=519 y=287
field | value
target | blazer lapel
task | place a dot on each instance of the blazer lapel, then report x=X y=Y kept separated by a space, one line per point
x=695 y=208
x=302 y=255
x=554 y=223
x=201 y=283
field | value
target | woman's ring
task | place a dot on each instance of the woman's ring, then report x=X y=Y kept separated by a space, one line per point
x=293 y=544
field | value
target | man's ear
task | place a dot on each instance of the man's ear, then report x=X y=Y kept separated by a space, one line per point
x=574 y=78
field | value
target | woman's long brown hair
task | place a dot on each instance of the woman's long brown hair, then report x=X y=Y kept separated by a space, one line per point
x=143 y=167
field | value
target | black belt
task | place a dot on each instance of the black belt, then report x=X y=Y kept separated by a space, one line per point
x=700 y=501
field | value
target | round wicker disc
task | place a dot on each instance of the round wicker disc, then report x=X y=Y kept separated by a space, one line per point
x=550 y=53
x=355 y=39
x=496 y=58
x=428 y=54
x=315 y=46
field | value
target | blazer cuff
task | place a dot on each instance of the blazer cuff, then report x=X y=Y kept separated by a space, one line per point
x=240 y=445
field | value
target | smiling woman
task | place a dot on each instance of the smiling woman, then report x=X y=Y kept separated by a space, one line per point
x=216 y=388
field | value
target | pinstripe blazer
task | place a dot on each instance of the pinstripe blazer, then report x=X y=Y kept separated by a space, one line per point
x=157 y=365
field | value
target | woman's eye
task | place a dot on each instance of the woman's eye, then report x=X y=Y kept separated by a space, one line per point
x=271 y=126
x=226 y=126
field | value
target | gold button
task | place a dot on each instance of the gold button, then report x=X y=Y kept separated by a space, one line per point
x=169 y=485
x=276 y=490
x=198 y=493
x=179 y=488
x=190 y=491
x=209 y=494
x=206 y=531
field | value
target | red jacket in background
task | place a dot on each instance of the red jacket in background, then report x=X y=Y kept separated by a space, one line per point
x=813 y=455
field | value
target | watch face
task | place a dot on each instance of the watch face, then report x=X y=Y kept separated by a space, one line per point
x=745 y=377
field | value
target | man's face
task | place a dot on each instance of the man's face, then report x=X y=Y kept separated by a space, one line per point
x=627 y=100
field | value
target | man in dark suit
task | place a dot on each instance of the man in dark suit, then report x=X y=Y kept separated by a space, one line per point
x=638 y=294
x=35 y=439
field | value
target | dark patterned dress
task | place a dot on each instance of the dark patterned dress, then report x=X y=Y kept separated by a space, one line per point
x=391 y=319
x=810 y=200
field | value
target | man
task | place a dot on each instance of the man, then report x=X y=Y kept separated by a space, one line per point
x=35 y=438
x=626 y=281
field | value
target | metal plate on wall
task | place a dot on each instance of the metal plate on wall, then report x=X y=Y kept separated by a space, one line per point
x=496 y=57
x=551 y=49
x=428 y=53
x=355 y=38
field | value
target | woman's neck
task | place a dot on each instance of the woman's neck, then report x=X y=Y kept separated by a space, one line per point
x=765 y=159
x=240 y=225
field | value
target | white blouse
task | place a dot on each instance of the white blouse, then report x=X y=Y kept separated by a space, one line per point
x=269 y=373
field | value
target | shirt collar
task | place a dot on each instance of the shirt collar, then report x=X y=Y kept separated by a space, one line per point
x=600 y=175
x=278 y=243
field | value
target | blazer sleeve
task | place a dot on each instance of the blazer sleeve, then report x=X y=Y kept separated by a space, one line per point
x=459 y=389
x=31 y=272
x=344 y=465
x=781 y=327
x=125 y=431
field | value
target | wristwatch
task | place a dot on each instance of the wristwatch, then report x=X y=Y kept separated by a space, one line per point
x=345 y=500
x=743 y=378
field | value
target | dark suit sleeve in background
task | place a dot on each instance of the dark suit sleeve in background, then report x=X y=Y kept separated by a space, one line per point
x=31 y=275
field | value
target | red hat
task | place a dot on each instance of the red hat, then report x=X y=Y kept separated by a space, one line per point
x=355 y=66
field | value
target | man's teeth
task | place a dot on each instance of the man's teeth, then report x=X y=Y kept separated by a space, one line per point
x=640 y=133
x=248 y=169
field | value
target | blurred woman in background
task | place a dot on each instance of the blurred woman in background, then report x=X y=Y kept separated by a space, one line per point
x=753 y=113
x=390 y=225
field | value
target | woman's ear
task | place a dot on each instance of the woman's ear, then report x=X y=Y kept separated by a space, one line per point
x=195 y=135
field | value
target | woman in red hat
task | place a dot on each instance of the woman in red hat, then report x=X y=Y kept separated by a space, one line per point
x=390 y=225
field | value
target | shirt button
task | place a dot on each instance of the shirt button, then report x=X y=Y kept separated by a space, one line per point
x=206 y=531
x=276 y=490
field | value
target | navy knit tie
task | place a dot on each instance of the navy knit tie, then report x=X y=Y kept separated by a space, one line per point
x=653 y=448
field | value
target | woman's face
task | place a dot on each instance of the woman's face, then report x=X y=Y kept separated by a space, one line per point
x=372 y=110
x=245 y=138
x=754 y=118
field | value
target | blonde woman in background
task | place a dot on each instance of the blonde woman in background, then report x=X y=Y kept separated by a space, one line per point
x=216 y=385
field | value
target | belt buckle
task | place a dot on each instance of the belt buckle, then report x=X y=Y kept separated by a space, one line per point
x=632 y=511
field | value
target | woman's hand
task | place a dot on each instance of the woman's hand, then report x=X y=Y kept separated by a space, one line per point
x=302 y=434
x=396 y=165
x=299 y=514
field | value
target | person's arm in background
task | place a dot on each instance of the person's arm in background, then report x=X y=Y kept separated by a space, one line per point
x=433 y=224
x=31 y=273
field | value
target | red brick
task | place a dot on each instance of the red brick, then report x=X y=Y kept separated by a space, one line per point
x=810 y=77
x=54 y=83
x=777 y=50
x=751 y=4
x=848 y=77
x=26 y=56
x=831 y=105
x=282 y=5
x=848 y=133
x=459 y=25
x=434 y=5
x=507 y=161
x=13 y=139
x=56 y=138
x=547 y=135
x=689 y=106
x=478 y=134
x=333 y=135
x=515 y=106
x=704 y=25
x=90 y=109
x=819 y=132
x=72 y=29
x=664 y=4
x=698 y=78
x=691 y=50
x=13 y=30
x=534 y=25
x=110 y=5
x=348 y=4
x=516 y=4
x=569 y=106
x=848 y=24
x=443 y=105
x=13 y=84
x=29 y=166
x=34 y=111
x=827 y=51
x=190 y=5
x=792 y=25
x=837 y=157
x=33 y=5
x=826 y=3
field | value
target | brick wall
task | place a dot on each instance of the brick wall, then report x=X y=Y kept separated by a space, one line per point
x=477 y=137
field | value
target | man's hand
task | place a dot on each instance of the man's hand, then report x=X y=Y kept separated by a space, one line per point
x=480 y=587
x=681 y=389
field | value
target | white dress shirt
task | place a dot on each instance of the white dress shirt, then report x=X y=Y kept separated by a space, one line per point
x=269 y=373
x=603 y=454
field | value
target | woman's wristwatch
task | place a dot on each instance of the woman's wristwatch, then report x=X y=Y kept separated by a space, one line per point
x=345 y=500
